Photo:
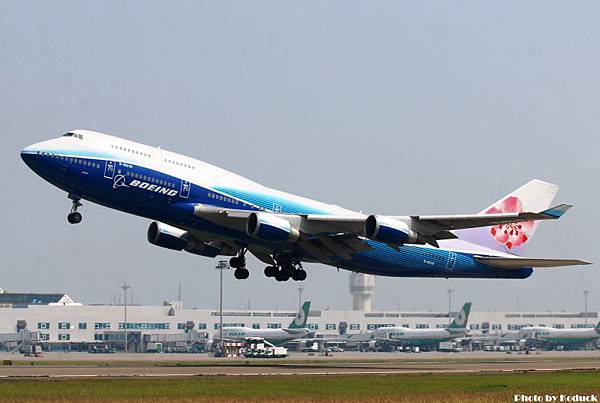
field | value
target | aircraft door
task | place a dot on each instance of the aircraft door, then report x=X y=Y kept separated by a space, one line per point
x=184 y=190
x=109 y=169
x=451 y=261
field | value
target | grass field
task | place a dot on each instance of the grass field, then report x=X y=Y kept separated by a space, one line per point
x=460 y=387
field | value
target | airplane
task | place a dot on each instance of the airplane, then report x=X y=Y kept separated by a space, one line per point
x=296 y=330
x=425 y=337
x=208 y=211
x=561 y=336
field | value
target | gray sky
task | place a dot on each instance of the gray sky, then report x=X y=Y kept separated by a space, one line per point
x=394 y=108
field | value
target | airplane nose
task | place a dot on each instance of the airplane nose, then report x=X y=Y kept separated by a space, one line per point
x=28 y=154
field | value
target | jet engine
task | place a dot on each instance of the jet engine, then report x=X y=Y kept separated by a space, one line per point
x=270 y=227
x=167 y=236
x=389 y=230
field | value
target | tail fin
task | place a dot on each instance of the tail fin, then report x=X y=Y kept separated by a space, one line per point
x=535 y=195
x=301 y=317
x=461 y=320
x=598 y=327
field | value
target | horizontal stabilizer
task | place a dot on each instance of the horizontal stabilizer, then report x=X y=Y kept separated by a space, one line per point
x=519 y=263
x=558 y=211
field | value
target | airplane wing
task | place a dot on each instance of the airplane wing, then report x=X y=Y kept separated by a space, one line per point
x=333 y=232
x=434 y=224
x=519 y=263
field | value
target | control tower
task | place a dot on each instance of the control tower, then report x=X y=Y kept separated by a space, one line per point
x=362 y=287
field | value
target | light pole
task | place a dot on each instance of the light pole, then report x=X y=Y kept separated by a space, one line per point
x=450 y=291
x=585 y=294
x=300 y=289
x=222 y=265
x=125 y=287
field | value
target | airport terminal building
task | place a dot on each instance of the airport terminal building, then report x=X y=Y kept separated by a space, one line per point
x=58 y=321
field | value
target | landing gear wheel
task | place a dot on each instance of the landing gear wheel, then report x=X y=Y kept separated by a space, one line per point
x=283 y=274
x=74 y=217
x=299 y=275
x=241 y=274
x=270 y=271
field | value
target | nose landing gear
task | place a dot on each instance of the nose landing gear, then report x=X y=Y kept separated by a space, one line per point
x=74 y=217
x=239 y=264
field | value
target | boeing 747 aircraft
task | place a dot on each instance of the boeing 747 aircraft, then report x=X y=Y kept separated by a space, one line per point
x=209 y=211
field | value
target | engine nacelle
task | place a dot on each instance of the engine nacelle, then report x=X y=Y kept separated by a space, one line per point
x=167 y=236
x=270 y=227
x=389 y=230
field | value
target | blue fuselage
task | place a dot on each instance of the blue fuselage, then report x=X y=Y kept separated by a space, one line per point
x=153 y=194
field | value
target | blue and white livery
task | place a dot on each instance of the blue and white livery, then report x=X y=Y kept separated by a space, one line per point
x=209 y=211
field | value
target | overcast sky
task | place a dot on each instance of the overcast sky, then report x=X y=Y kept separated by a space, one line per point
x=387 y=107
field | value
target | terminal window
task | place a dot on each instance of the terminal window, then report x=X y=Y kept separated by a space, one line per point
x=313 y=326
x=354 y=326
x=330 y=326
x=43 y=325
x=82 y=325
x=256 y=326
x=201 y=325
x=101 y=325
x=64 y=337
x=273 y=325
x=44 y=336
x=64 y=325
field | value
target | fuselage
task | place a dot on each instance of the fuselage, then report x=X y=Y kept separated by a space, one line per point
x=418 y=337
x=165 y=186
x=274 y=336
x=561 y=336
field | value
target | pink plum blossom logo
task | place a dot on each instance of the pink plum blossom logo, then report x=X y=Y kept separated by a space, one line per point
x=513 y=234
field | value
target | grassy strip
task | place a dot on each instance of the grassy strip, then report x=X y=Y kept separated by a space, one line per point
x=423 y=387
x=289 y=361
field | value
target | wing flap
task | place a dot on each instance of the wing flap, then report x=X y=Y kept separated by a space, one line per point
x=520 y=263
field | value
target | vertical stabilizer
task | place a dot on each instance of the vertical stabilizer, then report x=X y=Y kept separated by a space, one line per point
x=534 y=196
x=301 y=317
x=460 y=322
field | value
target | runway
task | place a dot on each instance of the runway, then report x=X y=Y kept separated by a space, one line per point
x=76 y=365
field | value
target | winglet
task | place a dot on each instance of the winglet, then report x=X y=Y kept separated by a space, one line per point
x=557 y=211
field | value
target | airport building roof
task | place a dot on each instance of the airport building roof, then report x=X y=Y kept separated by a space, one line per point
x=34 y=298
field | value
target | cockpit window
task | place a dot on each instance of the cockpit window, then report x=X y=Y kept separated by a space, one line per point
x=76 y=135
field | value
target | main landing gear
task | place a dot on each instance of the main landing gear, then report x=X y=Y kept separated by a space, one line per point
x=74 y=217
x=239 y=264
x=286 y=268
